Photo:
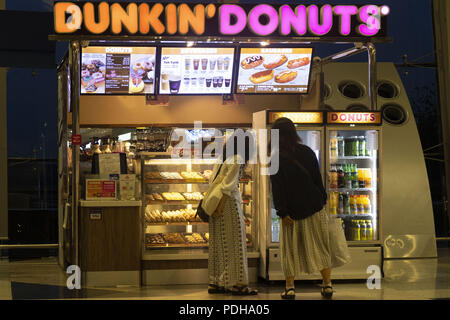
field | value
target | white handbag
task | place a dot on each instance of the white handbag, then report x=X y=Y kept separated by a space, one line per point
x=213 y=196
x=340 y=254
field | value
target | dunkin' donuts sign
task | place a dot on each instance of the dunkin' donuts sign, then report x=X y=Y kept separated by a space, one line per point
x=182 y=19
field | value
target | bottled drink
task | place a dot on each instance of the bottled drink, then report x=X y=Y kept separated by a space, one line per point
x=333 y=203
x=369 y=235
x=356 y=231
x=347 y=176
x=355 y=147
x=341 y=203
x=368 y=178
x=341 y=146
x=346 y=198
x=366 y=204
x=363 y=230
x=354 y=176
x=333 y=147
x=361 y=180
x=333 y=177
x=359 y=203
x=362 y=146
x=353 y=205
x=341 y=177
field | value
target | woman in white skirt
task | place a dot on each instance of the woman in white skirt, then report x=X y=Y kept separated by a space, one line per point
x=227 y=261
x=299 y=198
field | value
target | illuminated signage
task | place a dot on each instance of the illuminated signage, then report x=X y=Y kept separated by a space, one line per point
x=354 y=118
x=298 y=117
x=161 y=19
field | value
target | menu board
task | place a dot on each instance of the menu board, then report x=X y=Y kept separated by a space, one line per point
x=274 y=70
x=118 y=70
x=196 y=70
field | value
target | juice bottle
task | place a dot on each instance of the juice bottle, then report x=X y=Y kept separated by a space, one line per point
x=359 y=203
x=356 y=231
x=369 y=230
x=346 y=197
x=341 y=203
x=363 y=230
x=361 y=181
x=354 y=176
x=332 y=203
x=368 y=178
x=366 y=204
x=333 y=177
x=333 y=146
x=341 y=177
x=353 y=206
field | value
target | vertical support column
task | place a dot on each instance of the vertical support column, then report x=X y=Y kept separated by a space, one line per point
x=3 y=151
x=74 y=60
x=372 y=61
x=441 y=12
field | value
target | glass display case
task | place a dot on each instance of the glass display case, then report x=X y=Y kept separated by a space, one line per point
x=353 y=188
x=172 y=190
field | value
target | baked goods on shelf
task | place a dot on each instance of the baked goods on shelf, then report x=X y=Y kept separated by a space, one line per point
x=154 y=196
x=207 y=174
x=173 y=196
x=193 y=176
x=206 y=235
x=154 y=239
x=194 y=238
x=171 y=175
x=181 y=215
x=192 y=196
x=174 y=238
x=152 y=175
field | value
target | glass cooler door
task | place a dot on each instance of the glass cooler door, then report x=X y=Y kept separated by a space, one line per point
x=352 y=184
x=311 y=138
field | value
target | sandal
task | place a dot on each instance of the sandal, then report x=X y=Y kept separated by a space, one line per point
x=288 y=294
x=327 y=292
x=214 y=289
x=243 y=291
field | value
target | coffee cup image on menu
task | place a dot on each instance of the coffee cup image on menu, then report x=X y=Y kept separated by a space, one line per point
x=174 y=83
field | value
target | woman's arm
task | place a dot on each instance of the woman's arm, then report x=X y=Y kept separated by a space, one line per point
x=220 y=206
x=231 y=176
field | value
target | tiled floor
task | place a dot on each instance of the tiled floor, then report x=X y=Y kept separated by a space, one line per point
x=412 y=279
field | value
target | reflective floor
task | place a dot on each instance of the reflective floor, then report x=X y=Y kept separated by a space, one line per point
x=412 y=279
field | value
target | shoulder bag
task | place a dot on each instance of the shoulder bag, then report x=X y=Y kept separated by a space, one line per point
x=201 y=213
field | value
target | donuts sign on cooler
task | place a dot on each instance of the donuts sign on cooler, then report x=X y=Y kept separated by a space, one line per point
x=274 y=70
x=118 y=70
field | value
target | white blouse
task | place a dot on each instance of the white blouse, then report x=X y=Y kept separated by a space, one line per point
x=228 y=176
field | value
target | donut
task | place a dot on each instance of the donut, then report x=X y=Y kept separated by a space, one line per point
x=297 y=63
x=285 y=76
x=252 y=62
x=275 y=64
x=85 y=73
x=148 y=66
x=97 y=75
x=137 y=66
x=262 y=76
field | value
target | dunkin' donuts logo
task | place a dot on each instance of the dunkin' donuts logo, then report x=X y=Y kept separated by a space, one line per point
x=209 y=19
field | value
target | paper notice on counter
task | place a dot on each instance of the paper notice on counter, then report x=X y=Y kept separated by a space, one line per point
x=98 y=189
x=127 y=185
x=109 y=164
x=372 y=140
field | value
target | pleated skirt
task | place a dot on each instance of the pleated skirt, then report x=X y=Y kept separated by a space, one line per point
x=305 y=245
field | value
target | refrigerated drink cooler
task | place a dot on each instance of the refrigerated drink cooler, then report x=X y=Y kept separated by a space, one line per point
x=348 y=156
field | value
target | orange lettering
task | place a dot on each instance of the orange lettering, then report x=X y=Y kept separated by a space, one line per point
x=89 y=17
x=149 y=18
x=188 y=18
x=128 y=18
x=171 y=18
x=63 y=26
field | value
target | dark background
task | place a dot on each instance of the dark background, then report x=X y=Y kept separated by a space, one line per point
x=32 y=98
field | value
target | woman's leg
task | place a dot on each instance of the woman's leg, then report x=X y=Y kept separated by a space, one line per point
x=289 y=282
x=326 y=276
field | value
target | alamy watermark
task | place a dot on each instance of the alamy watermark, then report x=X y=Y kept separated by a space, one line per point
x=251 y=144
x=73 y=281
x=374 y=280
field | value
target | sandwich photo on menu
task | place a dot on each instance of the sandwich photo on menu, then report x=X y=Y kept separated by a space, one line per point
x=196 y=70
x=274 y=70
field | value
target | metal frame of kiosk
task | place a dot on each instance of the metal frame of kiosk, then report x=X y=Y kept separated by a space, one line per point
x=69 y=99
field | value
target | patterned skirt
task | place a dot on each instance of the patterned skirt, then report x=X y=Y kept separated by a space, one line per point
x=227 y=261
x=305 y=245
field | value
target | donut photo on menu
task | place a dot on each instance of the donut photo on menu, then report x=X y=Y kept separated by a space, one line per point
x=142 y=73
x=93 y=74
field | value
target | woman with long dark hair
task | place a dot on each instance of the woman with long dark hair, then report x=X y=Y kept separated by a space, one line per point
x=299 y=198
x=227 y=262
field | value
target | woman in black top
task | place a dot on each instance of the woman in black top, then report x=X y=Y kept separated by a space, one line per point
x=299 y=198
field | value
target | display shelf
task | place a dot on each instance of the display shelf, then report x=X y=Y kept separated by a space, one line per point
x=179 y=181
x=352 y=189
x=352 y=158
x=185 y=223
x=355 y=216
x=172 y=202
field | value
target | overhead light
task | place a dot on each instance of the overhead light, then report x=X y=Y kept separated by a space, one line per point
x=264 y=43
x=190 y=43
